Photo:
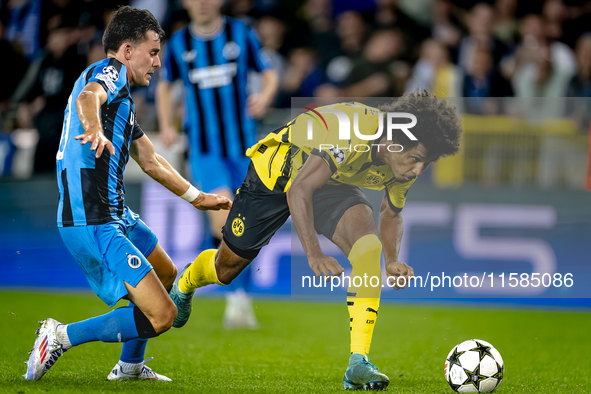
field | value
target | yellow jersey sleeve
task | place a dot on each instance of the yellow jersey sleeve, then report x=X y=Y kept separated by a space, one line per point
x=396 y=193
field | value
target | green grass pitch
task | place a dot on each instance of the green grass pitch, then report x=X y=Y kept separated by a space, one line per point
x=302 y=347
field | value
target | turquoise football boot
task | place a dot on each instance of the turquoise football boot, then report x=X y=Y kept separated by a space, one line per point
x=183 y=301
x=362 y=375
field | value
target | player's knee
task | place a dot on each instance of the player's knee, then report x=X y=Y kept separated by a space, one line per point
x=164 y=321
x=367 y=245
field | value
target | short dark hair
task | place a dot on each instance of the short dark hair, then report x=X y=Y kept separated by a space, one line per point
x=438 y=126
x=132 y=25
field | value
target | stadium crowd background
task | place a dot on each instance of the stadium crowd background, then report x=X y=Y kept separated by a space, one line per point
x=324 y=48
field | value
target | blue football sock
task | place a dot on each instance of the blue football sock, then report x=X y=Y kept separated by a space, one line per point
x=134 y=350
x=116 y=326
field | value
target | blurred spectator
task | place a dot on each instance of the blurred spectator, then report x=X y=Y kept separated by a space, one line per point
x=506 y=26
x=271 y=32
x=302 y=76
x=389 y=15
x=13 y=70
x=44 y=91
x=533 y=39
x=483 y=81
x=579 y=88
x=435 y=72
x=372 y=75
x=351 y=31
x=318 y=15
x=479 y=22
x=554 y=14
x=23 y=26
x=445 y=28
x=580 y=84
x=542 y=79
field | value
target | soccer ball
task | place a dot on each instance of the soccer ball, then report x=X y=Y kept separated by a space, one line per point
x=474 y=366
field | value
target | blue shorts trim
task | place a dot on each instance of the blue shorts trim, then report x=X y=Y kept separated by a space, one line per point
x=213 y=172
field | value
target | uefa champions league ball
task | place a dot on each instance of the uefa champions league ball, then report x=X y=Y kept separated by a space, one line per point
x=474 y=366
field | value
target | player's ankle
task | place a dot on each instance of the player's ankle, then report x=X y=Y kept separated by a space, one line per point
x=62 y=336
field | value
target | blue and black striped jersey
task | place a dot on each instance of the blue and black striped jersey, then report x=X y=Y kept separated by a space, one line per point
x=91 y=189
x=214 y=71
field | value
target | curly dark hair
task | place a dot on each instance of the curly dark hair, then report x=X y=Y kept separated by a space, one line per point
x=438 y=127
x=130 y=24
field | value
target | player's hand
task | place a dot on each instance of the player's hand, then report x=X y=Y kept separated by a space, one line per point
x=257 y=105
x=397 y=269
x=325 y=266
x=168 y=136
x=211 y=202
x=99 y=142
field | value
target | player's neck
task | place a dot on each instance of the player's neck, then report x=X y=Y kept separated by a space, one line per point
x=207 y=28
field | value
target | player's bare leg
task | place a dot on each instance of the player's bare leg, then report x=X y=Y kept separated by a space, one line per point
x=239 y=312
x=356 y=235
x=152 y=299
x=163 y=266
x=131 y=363
x=152 y=314
x=212 y=266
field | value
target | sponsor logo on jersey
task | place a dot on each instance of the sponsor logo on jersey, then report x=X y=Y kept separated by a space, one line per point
x=110 y=85
x=213 y=76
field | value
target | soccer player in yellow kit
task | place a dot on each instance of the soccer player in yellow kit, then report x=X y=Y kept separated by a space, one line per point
x=305 y=169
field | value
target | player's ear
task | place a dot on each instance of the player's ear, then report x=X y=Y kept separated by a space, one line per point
x=127 y=51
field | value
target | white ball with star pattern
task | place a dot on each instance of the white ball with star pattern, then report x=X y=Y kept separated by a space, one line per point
x=474 y=366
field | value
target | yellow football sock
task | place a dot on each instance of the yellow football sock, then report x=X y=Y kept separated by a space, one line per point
x=200 y=273
x=363 y=300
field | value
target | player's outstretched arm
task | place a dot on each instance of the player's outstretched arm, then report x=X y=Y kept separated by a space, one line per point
x=161 y=171
x=88 y=105
x=313 y=174
x=391 y=229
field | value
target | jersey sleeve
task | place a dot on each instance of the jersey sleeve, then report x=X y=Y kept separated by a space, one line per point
x=333 y=157
x=258 y=58
x=170 y=69
x=137 y=130
x=396 y=193
x=107 y=75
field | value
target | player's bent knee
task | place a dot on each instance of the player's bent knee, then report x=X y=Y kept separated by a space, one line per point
x=145 y=328
x=368 y=244
x=166 y=319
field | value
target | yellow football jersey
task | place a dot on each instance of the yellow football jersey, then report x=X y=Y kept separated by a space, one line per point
x=279 y=156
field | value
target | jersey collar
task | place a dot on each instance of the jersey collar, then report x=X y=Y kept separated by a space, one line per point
x=211 y=37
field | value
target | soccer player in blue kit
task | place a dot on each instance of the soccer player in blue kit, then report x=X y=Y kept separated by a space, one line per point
x=212 y=56
x=118 y=253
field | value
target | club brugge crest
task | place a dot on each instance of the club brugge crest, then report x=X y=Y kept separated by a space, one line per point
x=231 y=50
x=111 y=72
x=189 y=56
x=133 y=261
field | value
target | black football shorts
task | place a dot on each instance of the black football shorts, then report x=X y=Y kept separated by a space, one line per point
x=257 y=213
